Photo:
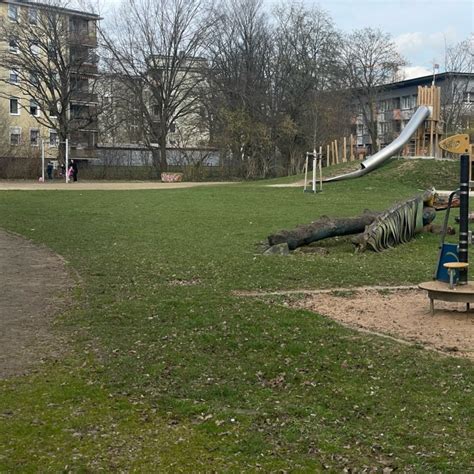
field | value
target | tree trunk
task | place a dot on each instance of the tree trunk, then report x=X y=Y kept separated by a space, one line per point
x=326 y=227
x=156 y=158
x=62 y=147
x=323 y=228
x=163 y=160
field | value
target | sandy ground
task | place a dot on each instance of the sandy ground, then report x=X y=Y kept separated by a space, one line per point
x=18 y=185
x=34 y=285
x=297 y=184
x=402 y=313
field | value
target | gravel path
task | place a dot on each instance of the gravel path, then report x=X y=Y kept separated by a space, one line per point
x=7 y=185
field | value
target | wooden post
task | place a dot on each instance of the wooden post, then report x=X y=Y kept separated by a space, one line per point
x=352 y=157
x=344 y=151
x=431 y=100
x=320 y=163
x=328 y=157
x=337 y=151
x=431 y=137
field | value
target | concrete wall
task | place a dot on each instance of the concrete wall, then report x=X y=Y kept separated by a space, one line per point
x=136 y=156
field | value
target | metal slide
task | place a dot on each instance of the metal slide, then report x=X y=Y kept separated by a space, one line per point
x=374 y=161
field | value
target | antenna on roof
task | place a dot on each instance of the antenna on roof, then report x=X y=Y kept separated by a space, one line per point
x=435 y=70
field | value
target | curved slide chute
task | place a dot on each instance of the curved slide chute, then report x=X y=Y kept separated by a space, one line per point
x=375 y=160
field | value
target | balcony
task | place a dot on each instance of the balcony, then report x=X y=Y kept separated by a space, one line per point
x=84 y=123
x=84 y=97
x=85 y=68
x=406 y=114
x=83 y=38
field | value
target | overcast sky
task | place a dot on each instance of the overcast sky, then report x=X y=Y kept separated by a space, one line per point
x=420 y=28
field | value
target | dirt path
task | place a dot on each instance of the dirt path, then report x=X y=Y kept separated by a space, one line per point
x=34 y=284
x=7 y=185
x=402 y=313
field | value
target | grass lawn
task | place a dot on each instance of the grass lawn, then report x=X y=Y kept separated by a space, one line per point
x=167 y=370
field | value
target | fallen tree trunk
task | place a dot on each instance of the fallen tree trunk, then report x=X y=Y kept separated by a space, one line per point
x=322 y=228
x=378 y=230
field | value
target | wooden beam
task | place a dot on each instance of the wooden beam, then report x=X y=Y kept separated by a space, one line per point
x=320 y=165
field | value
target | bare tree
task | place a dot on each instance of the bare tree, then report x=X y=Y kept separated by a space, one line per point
x=305 y=70
x=457 y=97
x=47 y=60
x=240 y=81
x=371 y=61
x=155 y=48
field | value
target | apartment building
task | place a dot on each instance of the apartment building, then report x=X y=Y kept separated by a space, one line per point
x=48 y=70
x=397 y=103
x=131 y=115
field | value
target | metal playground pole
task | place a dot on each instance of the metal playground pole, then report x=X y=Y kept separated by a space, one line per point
x=67 y=160
x=42 y=160
x=464 y=218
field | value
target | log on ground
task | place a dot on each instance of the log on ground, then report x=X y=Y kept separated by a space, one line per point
x=377 y=230
x=322 y=228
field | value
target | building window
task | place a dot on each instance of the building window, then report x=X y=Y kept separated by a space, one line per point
x=384 y=127
x=34 y=108
x=34 y=137
x=14 y=106
x=53 y=138
x=408 y=102
x=383 y=106
x=468 y=97
x=33 y=16
x=34 y=47
x=15 y=136
x=34 y=79
x=12 y=12
x=13 y=45
x=14 y=77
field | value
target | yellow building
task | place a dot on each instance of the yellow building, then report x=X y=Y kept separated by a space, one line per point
x=28 y=117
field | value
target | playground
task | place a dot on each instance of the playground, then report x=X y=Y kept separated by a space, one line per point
x=164 y=362
x=398 y=313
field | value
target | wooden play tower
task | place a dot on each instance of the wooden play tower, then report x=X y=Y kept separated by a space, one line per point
x=428 y=135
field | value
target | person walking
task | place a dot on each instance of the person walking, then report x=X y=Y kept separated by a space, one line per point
x=49 y=169
x=74 y=170
x=70 y=173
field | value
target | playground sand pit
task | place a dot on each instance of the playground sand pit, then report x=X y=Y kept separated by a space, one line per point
x=400 y=314
x=35 y=285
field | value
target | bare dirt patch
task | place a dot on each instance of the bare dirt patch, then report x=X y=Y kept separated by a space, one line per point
x=34 y=285
x=401 y=313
